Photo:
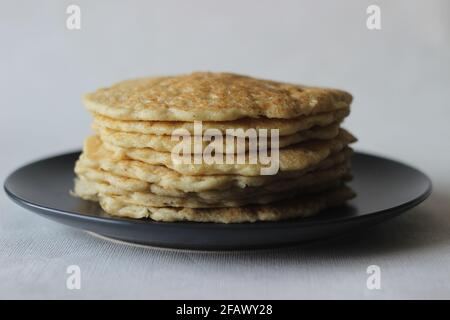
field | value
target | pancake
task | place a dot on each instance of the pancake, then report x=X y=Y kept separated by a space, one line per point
x=95 y=156
x=293 y=158
x=305 y=206
x=208 y=96
x=165 y=143
x=285 y=126
x=124 y=185
x=147 y=158
x=89 y=189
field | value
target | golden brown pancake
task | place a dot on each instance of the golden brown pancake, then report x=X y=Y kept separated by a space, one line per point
x=209 y=96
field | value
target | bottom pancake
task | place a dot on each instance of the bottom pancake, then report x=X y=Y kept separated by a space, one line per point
x=92 y=190
x=304 y=206
x=297 y=207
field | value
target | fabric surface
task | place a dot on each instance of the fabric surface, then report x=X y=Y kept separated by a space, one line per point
x=412 y=252
x=399 y=77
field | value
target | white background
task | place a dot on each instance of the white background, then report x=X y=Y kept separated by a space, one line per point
x=399 y=76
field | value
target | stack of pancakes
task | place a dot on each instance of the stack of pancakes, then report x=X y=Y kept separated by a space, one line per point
x=127 y=166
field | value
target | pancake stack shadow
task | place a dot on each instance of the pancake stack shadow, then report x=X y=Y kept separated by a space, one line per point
x=129 y=165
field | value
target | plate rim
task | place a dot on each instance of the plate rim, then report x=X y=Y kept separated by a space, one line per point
x=285 y=224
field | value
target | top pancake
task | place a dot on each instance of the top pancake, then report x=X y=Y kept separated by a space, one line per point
x=208 y=96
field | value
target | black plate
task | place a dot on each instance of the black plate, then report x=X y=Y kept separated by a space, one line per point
x=384 y=189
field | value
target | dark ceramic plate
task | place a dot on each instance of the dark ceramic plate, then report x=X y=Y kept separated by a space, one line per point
x=384 y=189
